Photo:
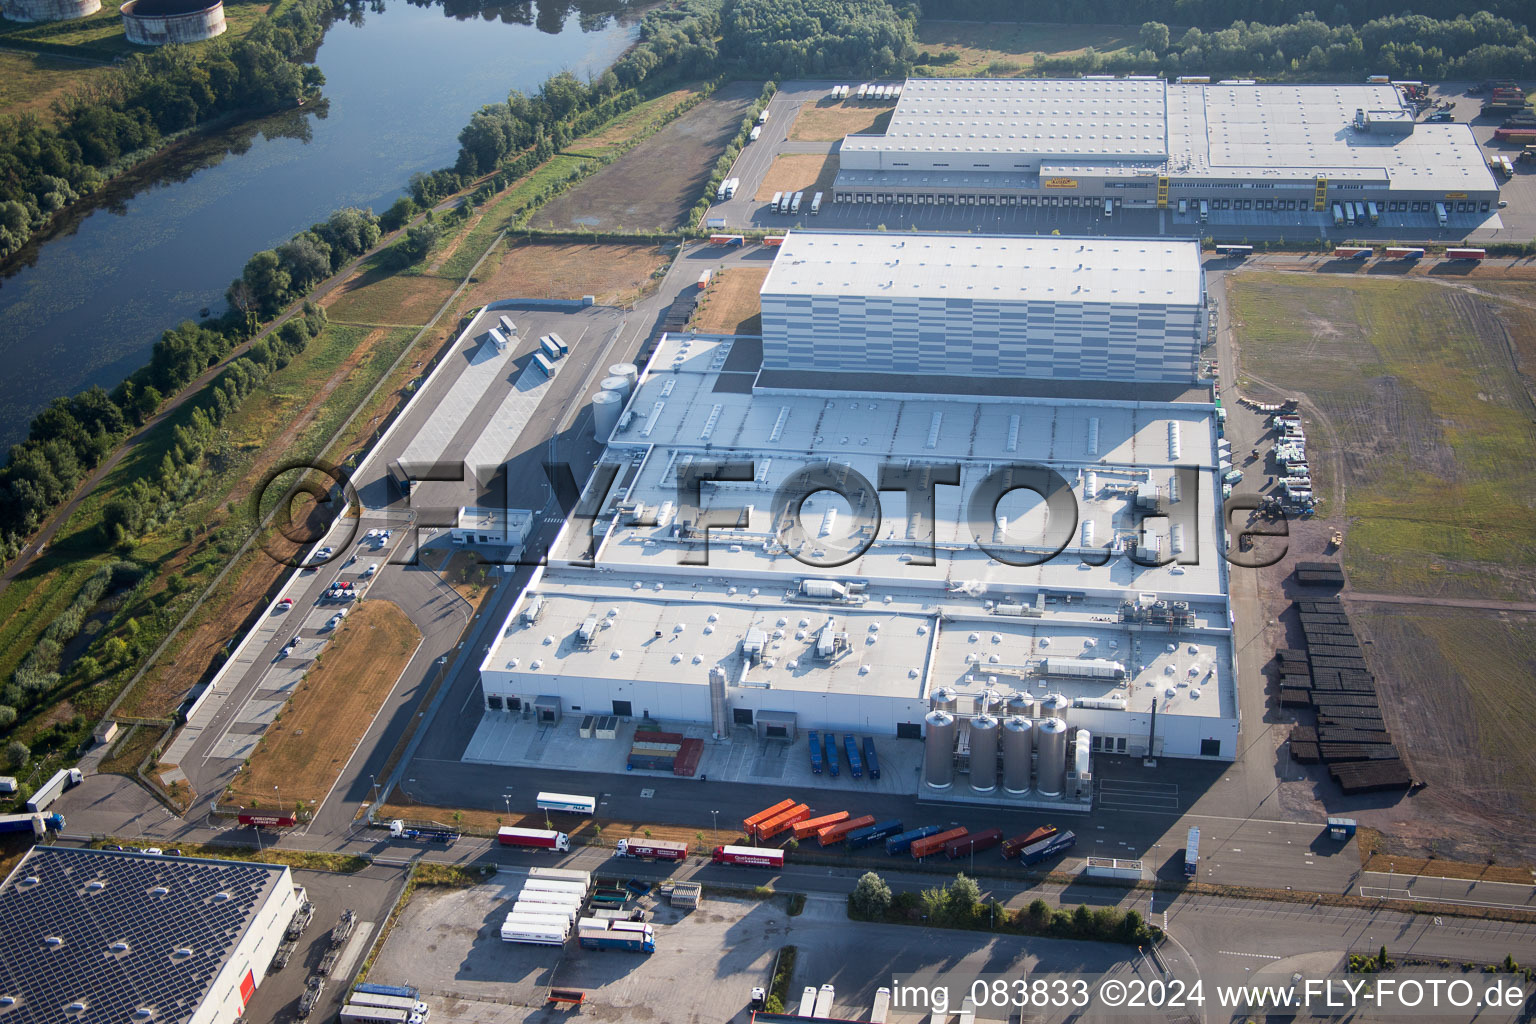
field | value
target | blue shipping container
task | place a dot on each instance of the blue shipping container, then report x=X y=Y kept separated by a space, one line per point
x=1047 y=848
x=870 y=760
x=815 y=752
x=902 y=843
x=832 y=753
x=855 y=764
x=872 y=834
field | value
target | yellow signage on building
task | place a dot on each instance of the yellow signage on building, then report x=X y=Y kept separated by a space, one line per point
x=1455 y=195
x=1061 y=183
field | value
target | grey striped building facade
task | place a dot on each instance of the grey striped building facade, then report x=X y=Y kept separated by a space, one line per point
x=864 y=328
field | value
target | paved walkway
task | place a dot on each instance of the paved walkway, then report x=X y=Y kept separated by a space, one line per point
x=1460 y=891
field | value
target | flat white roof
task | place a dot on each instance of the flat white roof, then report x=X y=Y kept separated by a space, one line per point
x=1259 y=132
x=995 y=268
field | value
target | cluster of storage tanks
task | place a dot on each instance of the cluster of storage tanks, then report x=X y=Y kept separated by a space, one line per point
x=614 y=391
x=1030 y=733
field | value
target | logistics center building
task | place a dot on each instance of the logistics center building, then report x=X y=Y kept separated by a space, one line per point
x=99 y=935
x=1143 y=142
x=996 y=306
x=1125 y=632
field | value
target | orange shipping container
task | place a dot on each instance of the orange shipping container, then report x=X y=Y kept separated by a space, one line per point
x=837 y=833
x=766 y=814
x=811 y=826
x=773 y=826
x=933 y=844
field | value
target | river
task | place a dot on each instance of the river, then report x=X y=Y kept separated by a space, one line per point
x=400 y=83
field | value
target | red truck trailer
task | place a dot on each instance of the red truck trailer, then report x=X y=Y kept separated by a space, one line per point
x=1466 y=254
x=933 y=844
x=810 y=826
x=784 y=822
x=537 y=838
x=843 y=829
x=657 y=849
x=973 y=843
x=260 y=820
x=749 y=856
x=1011 y=847
x=767 y=813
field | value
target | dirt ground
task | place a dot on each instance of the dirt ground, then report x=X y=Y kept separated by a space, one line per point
x=379 y=297
x=796 y=172
x=827 y=120
x=304 y=751
x=1454 y=683
x=731 y=304
x=653 y=186
x=583 y=829
x=617 y=274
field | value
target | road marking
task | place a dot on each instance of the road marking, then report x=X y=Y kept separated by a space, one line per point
x=1257 y=956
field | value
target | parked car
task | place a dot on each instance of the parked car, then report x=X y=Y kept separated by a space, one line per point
x=372 y=568
x=285 y=604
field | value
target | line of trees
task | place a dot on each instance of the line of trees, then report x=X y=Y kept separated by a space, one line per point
x=125 y=114
x=800 y=37
x=1412 y=46
x=1212 y=13
x=959 y=905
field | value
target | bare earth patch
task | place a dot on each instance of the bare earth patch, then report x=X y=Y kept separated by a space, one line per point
x=731 y=304
x=799 y=172
x=827 y=120
x=303 y=752
x=616 y=274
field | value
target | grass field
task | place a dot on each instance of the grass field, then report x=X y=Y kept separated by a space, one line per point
x=1425 y=418
x=1455 y=687
x=582 y=830
x=378 y=297
x=641 y=118
x=795 y=172
x=1012 y=48
x=827 y=120
x=731 y=304
x=303 y=752
x=30 y=82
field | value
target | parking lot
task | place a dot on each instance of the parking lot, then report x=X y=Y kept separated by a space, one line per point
x=707 y=961
x=1083 y=215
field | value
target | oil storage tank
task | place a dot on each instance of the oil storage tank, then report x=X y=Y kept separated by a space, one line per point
x=939 y=749
x=158 y=22
x=984 y=753
x=47 y=10
x=1051 y=744
x=606 y=407
x=1018 y=745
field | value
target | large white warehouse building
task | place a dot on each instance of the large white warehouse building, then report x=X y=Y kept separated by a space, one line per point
x=1138 y=655
x=1150 y=143
x=1106 y=309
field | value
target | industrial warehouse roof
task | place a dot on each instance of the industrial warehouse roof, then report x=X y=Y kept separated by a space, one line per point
x=995 y=268
x=120 y=933
x=1114 y=128
x=1064 y=117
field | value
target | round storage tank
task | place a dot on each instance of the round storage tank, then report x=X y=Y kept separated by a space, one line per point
x=984 y=753
x=939 y=749
x=1054 y=705
x=1018 y=744
x=606 y=407
x=47 y=10
x=629 y=371
x=1022 y=704
x=1051 y=744
x=943 y=699
x=618 y=385
x=1083 y=747
x=157 y=22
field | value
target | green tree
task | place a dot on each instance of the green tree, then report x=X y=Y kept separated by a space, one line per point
x=16 y=754
x=394 y=218
x=7 y=716
x=871 y=897
x=963 y=896
x=1037 y=916
x=1154 y=37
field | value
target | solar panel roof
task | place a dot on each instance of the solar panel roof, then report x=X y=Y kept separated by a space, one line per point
x=96 y=936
